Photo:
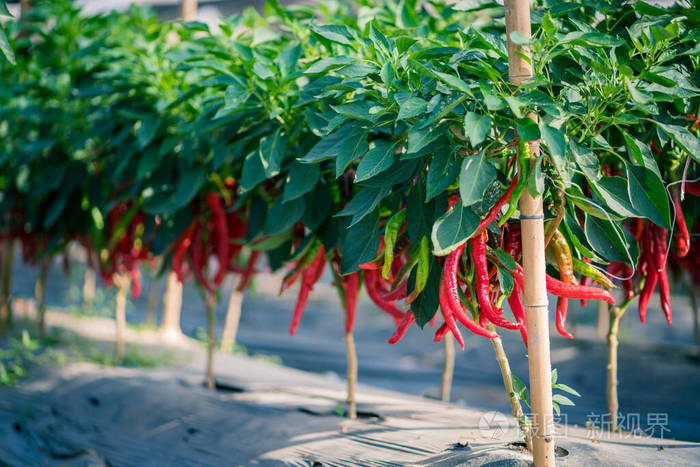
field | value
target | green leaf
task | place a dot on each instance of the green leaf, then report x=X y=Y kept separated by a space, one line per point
x=506 y=260
x=332 y=32
x=566 y=388
x=146 y=130
x=326 y=64
x=347 y=143
x=412 y=107
x=283 y=215
x=683 y=138
x=562 y=399
x=263 y=71
x=600 y=233
x=453 y=229
x=5 y=47
x=476 y=126
x=288 y=58
x=527 y=129
x=421 y=135
x=641 y=154
x=442 y=173
x=271 y=152
x=505 y=280
x=253 y=171
x=376 y=160
x=360 y=243
x=235 y=95
x=426 y=304
x=454 y=81
x=301 y=179
x=518 y=38
x=381 y=43
x=555 y=140
x=363 y=203
x=3 y=9
x=358 y=110
x=475 y=176
x=648 y=195
x=520 y=389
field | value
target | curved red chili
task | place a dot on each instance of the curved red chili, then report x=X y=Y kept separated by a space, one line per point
x=405 y=323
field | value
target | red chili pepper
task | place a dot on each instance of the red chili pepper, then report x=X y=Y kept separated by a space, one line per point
x=496 y=208
x=648 y=260
x=181 y=247
x=351 y=284
x=450 y=304
x=197 y=258
x=681 y=237
x=693 y=188
x=562 y=306
x=515 y=300
x=135 y=283
x=309 y=278
x=660 y=235
x=249 y=271
x=441 y=332
x=371 y=284
x=486 y=310
x=560 y=289
x=221 y=236
x=405 y=323
x=378 y=261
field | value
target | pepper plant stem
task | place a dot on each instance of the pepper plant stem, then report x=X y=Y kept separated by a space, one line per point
x=615 y=314
x=8 y=253
x=447 y=368
x=233 y=317
x=172 y=305
x=89 y=282
x=40 y=292
x=351 y=374
x=210 y=303
x=122 y=282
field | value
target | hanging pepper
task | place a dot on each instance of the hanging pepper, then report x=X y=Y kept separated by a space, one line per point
x=513 y=247
x=523 y=175
x=221 y=236
x=351 y=283
x=249 y=271
x=681 y=237
x=441 y=332
x=561 y=289
x=291 y=277
x=566 y=272
x=647 y=263
x=403 y=325
x=378 y=260
x=587 y=271
x=371 y=279
x=135 y=283
x=391 y=232
x=422 y=269
x=486 y=309
x=310 y=276
x=659 y=236
x=496 y=208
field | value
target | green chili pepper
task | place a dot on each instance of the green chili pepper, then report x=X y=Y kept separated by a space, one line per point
x=523 y=175
x=390 y=234
x=589 y=271
x=423 y=268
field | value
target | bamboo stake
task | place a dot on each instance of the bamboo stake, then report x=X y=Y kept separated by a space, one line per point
x=603 y=319
x=122 y=282
x=517 y=14
x=351 y=373
x=8 y=253
x=152 y=302
x=210 y=302
x=448 y=368
x=172 y=306
x=233 y=318
x=188 y=10
x=40 y=292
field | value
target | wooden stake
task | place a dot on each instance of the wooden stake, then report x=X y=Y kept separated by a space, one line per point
x=122 y=282
x=8 y=254
x=210 y=302
x=233 y=317
x=535 y=292
x=189 y=10
x=40 y=292
x=351 y=374
x=448 y=368
x=603 y=319
x=611 y=367
x=172 y=306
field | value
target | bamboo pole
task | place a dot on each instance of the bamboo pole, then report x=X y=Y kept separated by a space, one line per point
x=152 y=302
x=172 y=306
x=448 y=368
x=40 y=292
x=611 y=368
x=8 y=253
x=122 y=282
x=603 y=319
x=351 y=374
x=210 y=302
x=233 y=318
x=188 y=10
x=517 y=14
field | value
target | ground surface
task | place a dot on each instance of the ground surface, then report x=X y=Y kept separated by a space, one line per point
x=262 y=414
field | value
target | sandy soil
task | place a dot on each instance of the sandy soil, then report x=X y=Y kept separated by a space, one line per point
x=263 y=414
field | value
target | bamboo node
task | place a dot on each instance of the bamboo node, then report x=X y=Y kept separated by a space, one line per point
x=532 y=218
